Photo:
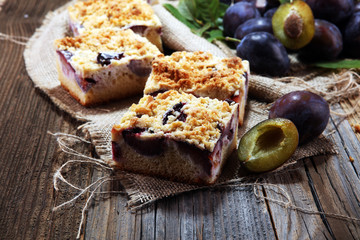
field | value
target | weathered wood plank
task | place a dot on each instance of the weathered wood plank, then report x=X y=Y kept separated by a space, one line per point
x=291 y=224
x=337 y=182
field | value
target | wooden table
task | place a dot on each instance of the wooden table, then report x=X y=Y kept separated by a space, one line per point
x=29 y=157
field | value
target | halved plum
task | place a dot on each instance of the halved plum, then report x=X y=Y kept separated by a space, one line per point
x=268 y=145
x=293 y=24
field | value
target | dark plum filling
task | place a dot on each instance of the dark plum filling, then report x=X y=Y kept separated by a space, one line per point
x=159 y=30
x=84 y=83
x=148 y=147
x=65 y=65
x=220 y=127
x=230 y=101
x=154 y=94
x=176 y=109
x=75 y=27
x=67 y=55
x=90 y=80
x=198 y=156
x=226 y=137
x=140 y=68
x=139 y=29
x=238 y=98
x=216 y=154
x=116 y=151
x=246 y=76
x=105 y=58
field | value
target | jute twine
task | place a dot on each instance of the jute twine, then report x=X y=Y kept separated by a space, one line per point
x=20 y=40
x=142 y=190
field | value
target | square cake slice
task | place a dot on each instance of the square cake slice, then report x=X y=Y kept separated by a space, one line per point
x=104 y=64
x=136 y=15
x=176 y=136
x=203 y=75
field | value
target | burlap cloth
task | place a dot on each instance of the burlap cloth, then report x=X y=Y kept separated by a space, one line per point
x=39 y=58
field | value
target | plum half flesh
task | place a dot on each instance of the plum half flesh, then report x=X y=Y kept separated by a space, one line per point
x=293 y=24
x=268 y=145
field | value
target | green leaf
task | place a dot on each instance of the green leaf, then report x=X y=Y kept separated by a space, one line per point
x=215 y=35
x=222 y=9
x=192 y=6
x=284 y=1
x=346 y=63
x=208 y=10
x=187 y=13
x=184 y=10
x=178 y=15
x=201 y=30
x=203 y=17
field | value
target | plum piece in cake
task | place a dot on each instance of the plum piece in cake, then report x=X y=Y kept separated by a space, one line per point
x=104 y=64
x=176 y=136
x=203 y=75
x=136 y=15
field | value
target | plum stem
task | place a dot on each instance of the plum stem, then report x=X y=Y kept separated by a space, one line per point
x=232 y=39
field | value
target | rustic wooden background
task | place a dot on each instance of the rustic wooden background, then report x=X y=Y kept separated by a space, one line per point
x=29 y=157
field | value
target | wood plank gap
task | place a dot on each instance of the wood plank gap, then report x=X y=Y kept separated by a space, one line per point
x=343 y=143
x=194 y=219
x=155 y=213
x=270 y=214
x=307 y=229
x=336 y=192
x=179 y=218
x=317 y=200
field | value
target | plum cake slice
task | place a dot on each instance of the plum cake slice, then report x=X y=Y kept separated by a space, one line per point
x=203 y=75
x=104 y=64
x=176 y=136
x=136 y=15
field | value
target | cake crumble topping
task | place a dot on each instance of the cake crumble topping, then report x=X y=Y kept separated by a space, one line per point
x=199 y=73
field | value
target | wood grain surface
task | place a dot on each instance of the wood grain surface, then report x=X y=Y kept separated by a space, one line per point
x=29 y=157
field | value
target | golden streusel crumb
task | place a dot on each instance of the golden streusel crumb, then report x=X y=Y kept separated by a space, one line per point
x=199 y=73
x=119 y=13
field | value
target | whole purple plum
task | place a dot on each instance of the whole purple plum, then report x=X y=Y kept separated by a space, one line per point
x=237 y=14
x=308 y=111
x=335 y=11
